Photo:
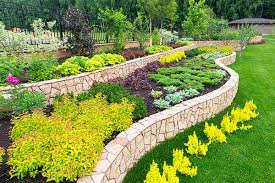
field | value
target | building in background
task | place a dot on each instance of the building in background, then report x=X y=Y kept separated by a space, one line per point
x=265 y=26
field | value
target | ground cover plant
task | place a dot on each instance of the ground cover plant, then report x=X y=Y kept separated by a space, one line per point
x=243 y=159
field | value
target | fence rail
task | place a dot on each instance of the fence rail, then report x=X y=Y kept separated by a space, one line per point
x=19 y=17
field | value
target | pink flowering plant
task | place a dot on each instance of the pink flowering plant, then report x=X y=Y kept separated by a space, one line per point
x=12 y=80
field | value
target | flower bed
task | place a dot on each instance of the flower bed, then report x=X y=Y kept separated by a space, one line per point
x=121 y=153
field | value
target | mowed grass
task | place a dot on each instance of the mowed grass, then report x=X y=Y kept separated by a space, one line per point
x=248 y=156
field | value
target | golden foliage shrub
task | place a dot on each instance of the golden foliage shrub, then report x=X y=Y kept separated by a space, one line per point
x=195 y=146
x=67 y=144
x=175 y=57
x=214 y=134
x=183 y=164
x=2 y=153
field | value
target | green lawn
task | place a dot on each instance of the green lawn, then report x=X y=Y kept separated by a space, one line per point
x=248 y=156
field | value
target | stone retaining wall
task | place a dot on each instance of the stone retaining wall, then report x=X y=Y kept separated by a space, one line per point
x=128 y=147
x=83 y=82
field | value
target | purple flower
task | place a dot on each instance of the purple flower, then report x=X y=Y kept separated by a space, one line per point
x=12 y=80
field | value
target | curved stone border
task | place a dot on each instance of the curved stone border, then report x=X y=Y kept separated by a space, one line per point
x=83 y=82
x=128 y=147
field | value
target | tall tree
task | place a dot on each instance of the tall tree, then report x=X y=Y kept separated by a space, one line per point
x=149 y=9
x=167 y=10
x=196 y=22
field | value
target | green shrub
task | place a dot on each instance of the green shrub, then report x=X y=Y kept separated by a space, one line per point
x=157 y=49
x=104 y=59
x=79 y=60
x=141 y=109
x=64 y=147
x=115 y=93
x=41 y=67
x=171 y=70
x=22 y=102
x=68 y=68
x=175 y=57
x=192 y=84
x=193 y=52
x=10 y=65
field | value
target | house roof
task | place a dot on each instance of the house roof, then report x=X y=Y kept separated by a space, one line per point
x=252 y=21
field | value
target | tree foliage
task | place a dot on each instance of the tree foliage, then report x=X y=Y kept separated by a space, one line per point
x=196 y=22
x=117 y=26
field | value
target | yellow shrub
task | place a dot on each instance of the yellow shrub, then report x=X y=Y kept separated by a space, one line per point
x=170 y=174
x=214 y=134
x=247 y=113
x=175 y=57
x=2 y=153
x=69 y=143
x=195 y=146
x=154 y=176
x=224 y=49
x=183 y=164
x=228 y=125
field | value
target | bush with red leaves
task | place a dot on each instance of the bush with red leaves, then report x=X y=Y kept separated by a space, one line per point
x=130 y=54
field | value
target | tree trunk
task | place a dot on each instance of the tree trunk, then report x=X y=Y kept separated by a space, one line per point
x=161 y=32
x=150 y=39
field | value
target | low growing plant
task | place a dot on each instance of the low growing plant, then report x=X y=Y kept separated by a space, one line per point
x=19 y=101
x=157 y=49
x=175 y=57
x=10 y=65
x=161 y=104
x=156 y=94
x=174 y=98
x=68 y=68
x=79 y=60
x=41 y=67
x=171 y=89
